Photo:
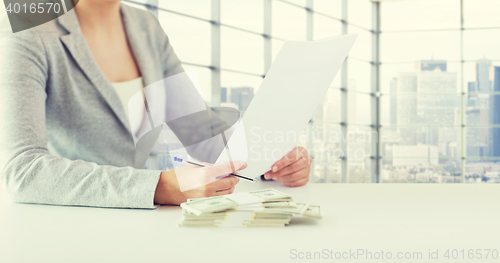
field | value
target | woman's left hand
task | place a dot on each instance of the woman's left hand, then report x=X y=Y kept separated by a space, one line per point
x=293 y=169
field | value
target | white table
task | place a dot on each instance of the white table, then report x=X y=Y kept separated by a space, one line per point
x=372 y=217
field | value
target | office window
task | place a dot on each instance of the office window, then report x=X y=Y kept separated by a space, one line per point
x=482 y=44
x=189 y=37
x=438 y=102
x=426 y=45
x=331 y=8
x=242 y=51
x=243 y=14
x=238 y=89
x=413 y=15
x=434 y=92
x=195 y=8
x=359 y=171
x=330 y=108
x=359 y=13
x=325 y=27
x=288 y=21
x=483 y=13
x=301 y=3
x=276 y=46
x=326 y=139
x=357 y=132
x=362 y=48
x=359 y=73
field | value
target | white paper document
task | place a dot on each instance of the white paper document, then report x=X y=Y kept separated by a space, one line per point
x=287 y=98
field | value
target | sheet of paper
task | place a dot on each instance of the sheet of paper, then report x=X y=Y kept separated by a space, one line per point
x=287 y=98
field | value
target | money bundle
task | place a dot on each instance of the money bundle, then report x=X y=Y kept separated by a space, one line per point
x=262 y=208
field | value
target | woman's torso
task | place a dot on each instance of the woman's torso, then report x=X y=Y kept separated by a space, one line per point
x=85 y=118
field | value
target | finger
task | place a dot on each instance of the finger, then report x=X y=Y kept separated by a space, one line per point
x=293 y=176
x=292 y=168
x=291 y=157
x=224 y=183
x=297 y=183
x=298 y=165
x=222 y=190
x=225 y=192
x=226 y=168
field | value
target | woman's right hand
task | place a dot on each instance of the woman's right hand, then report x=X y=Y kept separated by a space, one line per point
x=176 y=186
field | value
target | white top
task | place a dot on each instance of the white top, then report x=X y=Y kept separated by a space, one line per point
x=125 y=91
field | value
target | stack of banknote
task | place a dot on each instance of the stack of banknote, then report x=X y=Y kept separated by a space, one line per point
x=261 y=208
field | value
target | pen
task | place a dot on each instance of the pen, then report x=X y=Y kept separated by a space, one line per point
x=177 y=159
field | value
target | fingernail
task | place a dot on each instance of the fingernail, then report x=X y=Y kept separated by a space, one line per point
x=275 y=168
x=241 y=165
x=266 y=176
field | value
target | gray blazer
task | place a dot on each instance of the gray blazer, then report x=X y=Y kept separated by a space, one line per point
x=64 y=137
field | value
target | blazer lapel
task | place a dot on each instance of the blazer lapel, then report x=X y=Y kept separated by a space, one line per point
x=143 y=53
x=151 y=70
x=77 y=46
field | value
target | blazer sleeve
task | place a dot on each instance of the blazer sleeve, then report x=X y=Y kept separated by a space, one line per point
x=171 y=63
x=29 y=172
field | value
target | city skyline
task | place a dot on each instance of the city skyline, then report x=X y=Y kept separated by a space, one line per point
x=421 y=97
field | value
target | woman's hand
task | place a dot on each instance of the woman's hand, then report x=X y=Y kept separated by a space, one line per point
x=293 y=169
x=176 y=186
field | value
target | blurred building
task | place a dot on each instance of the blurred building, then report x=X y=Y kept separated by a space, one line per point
x=406 y=98
x=482 y=75
x=478 y=110
x=472 y=97
x=394 y=102
x=494 y=113
x=426 y=105
x=436 y=108
x=411 y=155
x=423 y=98
x=240 y=96
x=477 y=138
x=352 y=106
x=223 y=95
x=431 y=65
x=482 y=84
